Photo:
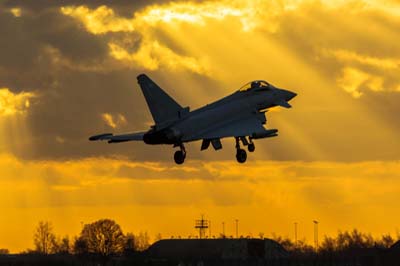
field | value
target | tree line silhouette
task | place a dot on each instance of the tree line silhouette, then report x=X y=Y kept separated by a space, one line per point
x=103 y=242
x=104 y=237
x=343 y=241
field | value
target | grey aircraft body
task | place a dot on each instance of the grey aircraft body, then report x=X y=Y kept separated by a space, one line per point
x=240 y=115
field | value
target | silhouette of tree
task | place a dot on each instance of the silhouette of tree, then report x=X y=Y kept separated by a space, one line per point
x=4 y=251
x=328 y=245
x=129 y=243
x=303 y=247
x=62 y=245
x=104 y=237
x=300 y=247
x=284 y=241
x=158 y=237
x=386 y=241
x=44 y=238
x=353 y=240
x=80 y=246
x=142 y=241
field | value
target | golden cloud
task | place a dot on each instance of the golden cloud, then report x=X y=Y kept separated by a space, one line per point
x=99 y=21
x=103 y=19
x=249 y=16
x=152 y=55
x=115 y=121
x=14 y=103
x=193 y=13
x=16 y=12
x=353 y=79
x=350 y=57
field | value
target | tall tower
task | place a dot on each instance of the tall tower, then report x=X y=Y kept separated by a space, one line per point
x=202 y=225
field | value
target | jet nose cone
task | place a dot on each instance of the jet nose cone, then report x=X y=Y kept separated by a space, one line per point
x=289 y=95
x=292 y=95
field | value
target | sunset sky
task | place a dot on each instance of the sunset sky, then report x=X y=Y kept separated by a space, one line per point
x=68 y=70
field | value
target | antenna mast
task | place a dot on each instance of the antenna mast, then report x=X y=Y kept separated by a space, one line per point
x=202 y=225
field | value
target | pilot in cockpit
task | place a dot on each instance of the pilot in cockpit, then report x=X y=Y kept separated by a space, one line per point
x=255 y=84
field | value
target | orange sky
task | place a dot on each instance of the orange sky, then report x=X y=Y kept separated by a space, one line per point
x=336 y=159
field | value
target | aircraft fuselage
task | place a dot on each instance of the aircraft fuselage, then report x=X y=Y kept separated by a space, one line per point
x=224 y=111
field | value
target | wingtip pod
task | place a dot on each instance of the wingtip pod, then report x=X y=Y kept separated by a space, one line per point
x=100 y=137
x=142 y=77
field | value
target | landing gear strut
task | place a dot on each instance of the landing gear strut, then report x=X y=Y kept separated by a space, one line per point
x=251 y=147
x=180 y=155
x=241 y=155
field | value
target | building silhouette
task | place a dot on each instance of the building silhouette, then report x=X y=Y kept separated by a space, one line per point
x=222 y=248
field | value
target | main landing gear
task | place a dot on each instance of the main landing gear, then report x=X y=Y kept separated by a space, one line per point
x=180 y=155
x=251 y=147
x=241 y=155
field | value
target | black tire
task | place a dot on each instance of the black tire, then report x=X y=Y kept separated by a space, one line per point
x=179 y=157
x=251 y=147
x=241 y=156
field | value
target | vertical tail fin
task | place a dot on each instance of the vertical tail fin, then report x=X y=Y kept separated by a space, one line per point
x=162 y=107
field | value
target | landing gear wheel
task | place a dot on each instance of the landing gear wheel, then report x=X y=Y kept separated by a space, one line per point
x=179 y=157
x=251 y=147
x=241 y=156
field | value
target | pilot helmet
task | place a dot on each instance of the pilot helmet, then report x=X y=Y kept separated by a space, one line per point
x=255 y=84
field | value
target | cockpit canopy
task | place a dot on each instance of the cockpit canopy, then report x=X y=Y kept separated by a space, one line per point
x=256 y=85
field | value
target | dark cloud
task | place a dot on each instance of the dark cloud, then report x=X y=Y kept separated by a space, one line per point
x=25 y=59
x=18 y=47
x=68 y=37
x=68 y=99
x=38 y=5
x=76 y=81
x=122 y=7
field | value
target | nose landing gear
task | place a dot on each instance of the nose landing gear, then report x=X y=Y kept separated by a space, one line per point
x=180 y=155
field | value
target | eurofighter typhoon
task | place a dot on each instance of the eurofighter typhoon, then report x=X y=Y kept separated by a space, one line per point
x=240 y=115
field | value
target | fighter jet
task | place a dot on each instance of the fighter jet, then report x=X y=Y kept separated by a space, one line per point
x=240 y=115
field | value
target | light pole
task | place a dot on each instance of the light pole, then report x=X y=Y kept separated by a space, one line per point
x=315 y=234
x=237 y=228
x=295 y=234
x=209 y=228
